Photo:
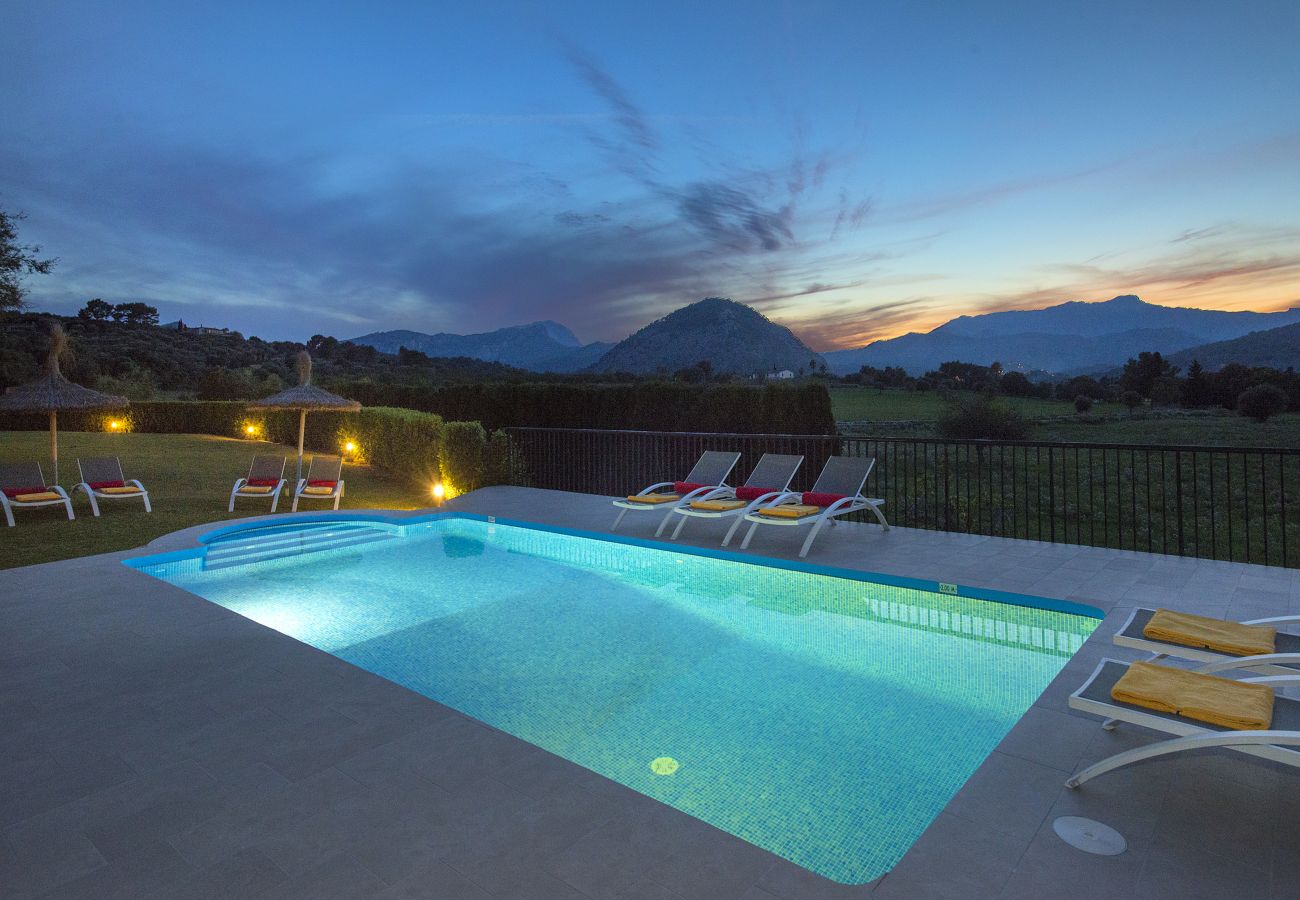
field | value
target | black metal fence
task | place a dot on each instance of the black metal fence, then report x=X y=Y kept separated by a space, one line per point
x=1227 y=503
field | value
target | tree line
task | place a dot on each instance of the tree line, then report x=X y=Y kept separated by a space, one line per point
x=1147 y=379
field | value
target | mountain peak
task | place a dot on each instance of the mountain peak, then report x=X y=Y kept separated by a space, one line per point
x=732 y=336
x=561 y=334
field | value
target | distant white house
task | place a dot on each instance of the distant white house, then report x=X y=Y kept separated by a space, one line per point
x=780 y=376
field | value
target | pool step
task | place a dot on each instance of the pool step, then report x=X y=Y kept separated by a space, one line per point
x=298 y=542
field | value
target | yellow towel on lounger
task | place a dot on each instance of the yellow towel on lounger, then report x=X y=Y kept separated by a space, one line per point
x=789 y=511
x=1215 y=634
x=717 y=505
x=1206 y=698
x=125 y=489
x=319 y=491
x=654 y=498
x=37 y=498
x=256 y=489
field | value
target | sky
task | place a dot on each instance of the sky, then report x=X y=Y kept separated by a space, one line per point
x=854 y=170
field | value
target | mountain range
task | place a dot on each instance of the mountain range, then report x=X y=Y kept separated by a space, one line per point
x=541 y=346
x=733 y=337
x=1070 y=337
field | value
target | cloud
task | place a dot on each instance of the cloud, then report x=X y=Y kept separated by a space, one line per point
x=353 y=240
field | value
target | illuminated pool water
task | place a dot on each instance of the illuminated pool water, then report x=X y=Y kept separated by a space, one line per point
x=826 y=719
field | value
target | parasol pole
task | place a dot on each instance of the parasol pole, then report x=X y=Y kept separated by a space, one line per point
x=302 y=427
x=54 y=443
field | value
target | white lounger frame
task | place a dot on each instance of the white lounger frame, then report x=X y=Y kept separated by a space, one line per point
x=241 y=482
x=1264 y=664
x=336 y=495
x=95 y=496
x=841 y=507
x=686 y=511
x=626 y=506
x=10 y=505
x=1189 y=734
x=33 y=470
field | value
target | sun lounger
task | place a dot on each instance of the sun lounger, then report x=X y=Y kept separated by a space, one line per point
x=770 y=478
x=838 y=492
x=22 y=486
x=1280 y=741
x=265 y=479
x=1285 y=660
x=709 y=473
x=324 y=481
x=102 y=479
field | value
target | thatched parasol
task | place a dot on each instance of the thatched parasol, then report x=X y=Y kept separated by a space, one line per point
x=52 y=392
x=306 y=398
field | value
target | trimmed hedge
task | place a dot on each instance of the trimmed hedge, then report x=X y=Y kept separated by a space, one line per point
x=417 y=445
x=646 y=406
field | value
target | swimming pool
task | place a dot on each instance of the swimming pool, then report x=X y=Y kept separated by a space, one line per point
x=827 y=719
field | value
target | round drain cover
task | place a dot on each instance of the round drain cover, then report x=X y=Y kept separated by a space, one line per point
x=1090 y=836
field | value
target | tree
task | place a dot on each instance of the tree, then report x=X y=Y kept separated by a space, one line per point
x=706 y=369
x=1141 y=373
x=981 y=417
x=1262 y=402
x=1015 y=384
x=1082 y=404
x=1131 y=399
x=96 y=311
x=16 y=261
x=135 y=314
x=1196 y=388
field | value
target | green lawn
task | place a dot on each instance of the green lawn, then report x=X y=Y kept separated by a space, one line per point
x=1226 y=429
x=188 y=477
x=858 y=404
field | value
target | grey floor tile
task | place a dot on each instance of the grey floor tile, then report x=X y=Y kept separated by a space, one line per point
x=1052 y=868
x=954 y=858
x=1049 y=737
x=1182 y=873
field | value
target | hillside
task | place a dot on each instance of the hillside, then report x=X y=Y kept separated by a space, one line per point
x=541 y=346
x=1067 y=337
x=140 y=360
x=732 y=336
x=1276 y=348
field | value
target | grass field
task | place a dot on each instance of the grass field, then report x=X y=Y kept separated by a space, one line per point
x=1224 y=430
x=1105 y=424
x=858 y=404
x=188 y=477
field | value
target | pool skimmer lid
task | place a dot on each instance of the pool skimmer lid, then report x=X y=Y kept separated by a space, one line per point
x=1090 y=836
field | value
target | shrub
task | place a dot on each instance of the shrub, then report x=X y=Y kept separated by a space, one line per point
x=981 y=417
x=1262 y=402
x=1082 y=404
x=461 y=456
x=1131 y=399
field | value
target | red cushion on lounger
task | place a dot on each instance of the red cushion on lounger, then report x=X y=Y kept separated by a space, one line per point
x=751 y=493
x=811 y=499
x=263 y=482
x=14 y=492
x=100 y=485
x=318 y=482
x=685 y=487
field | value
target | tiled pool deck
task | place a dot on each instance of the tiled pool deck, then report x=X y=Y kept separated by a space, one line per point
x=156 y=745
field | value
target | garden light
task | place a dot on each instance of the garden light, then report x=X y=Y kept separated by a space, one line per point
x=439 y=492
x=114 y=425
